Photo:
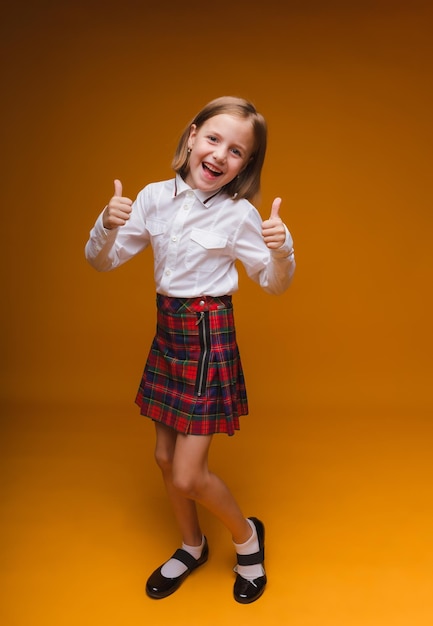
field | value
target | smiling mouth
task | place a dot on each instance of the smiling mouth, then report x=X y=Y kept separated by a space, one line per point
x=211 y=170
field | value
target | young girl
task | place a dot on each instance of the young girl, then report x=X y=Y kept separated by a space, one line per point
x=198 y=224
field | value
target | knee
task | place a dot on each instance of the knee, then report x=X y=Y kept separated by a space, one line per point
x=190 y=485
x=164 y=460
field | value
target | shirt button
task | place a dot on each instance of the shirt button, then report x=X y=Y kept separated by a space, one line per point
x=201 y=302
x=167 y=272
x=174 y=238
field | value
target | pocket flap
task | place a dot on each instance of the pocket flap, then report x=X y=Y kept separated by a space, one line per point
x=208 y=239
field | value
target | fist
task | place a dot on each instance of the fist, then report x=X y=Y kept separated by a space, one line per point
x=118 y=210
x=273 y=231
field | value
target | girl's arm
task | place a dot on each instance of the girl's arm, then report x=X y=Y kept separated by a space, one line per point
x=266 y=250
x=118 y=234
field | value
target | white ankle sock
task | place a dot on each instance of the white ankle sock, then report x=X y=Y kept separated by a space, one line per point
x=174 y=568
x=250 y=572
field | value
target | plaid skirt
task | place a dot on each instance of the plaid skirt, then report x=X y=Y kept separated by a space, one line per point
x=193 y=379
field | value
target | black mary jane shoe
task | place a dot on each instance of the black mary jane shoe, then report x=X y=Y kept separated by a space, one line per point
x=159 y=586
x=247 y=591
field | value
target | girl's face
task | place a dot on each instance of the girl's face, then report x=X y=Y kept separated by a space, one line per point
x=220 y=150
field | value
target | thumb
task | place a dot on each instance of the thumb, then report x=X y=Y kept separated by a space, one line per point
x=117 y=188
x=275 y=208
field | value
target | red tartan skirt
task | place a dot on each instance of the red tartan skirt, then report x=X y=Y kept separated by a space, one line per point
x=193 y=379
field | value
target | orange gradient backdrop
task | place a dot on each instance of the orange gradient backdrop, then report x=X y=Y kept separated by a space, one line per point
x=94 y=91
x=340 y=365
x=98 y=91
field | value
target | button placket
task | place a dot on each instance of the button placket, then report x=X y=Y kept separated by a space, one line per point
x=174 y=237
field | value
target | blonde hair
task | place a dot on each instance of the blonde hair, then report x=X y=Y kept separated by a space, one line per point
x=247 y=184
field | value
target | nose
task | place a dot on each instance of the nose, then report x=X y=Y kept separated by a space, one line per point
x=219 y=155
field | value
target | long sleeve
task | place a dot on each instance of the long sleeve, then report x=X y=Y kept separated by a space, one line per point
x=107 y=249
x=273 y=270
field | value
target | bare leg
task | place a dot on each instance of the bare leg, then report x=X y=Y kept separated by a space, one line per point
x=192 y=478
x=183 y=460
x=185 y=510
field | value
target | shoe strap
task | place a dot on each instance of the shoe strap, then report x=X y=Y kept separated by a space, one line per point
x=186 y=558
x=251 y=559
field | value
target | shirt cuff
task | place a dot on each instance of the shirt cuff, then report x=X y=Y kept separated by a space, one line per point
x=101 y=231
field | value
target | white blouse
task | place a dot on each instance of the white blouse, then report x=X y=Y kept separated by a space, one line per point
x=196 y=240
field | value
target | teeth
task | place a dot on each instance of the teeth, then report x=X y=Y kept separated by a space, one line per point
x=209 y=167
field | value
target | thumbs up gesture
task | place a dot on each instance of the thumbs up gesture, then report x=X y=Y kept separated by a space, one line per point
x=118 y=210
x=273 y=231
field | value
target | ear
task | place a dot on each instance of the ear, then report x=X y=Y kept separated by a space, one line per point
x=192 y=135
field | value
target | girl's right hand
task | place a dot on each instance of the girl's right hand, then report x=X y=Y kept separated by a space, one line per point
x=118 y=210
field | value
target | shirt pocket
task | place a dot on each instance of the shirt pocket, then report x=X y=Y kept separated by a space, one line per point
x=204 y=250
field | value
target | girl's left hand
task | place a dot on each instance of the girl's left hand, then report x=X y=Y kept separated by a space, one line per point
x=273 y=231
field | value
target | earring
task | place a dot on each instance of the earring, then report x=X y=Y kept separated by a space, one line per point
x=189 y=150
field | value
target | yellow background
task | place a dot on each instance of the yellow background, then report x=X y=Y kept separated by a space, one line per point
x=336 y=453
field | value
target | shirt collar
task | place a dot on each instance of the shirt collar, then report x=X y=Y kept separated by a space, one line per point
x=180 y=186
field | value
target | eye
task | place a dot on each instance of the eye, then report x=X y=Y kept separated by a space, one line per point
x=212 y=138
x=236 y=151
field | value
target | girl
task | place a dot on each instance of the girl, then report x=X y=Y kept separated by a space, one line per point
x=198 y=224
